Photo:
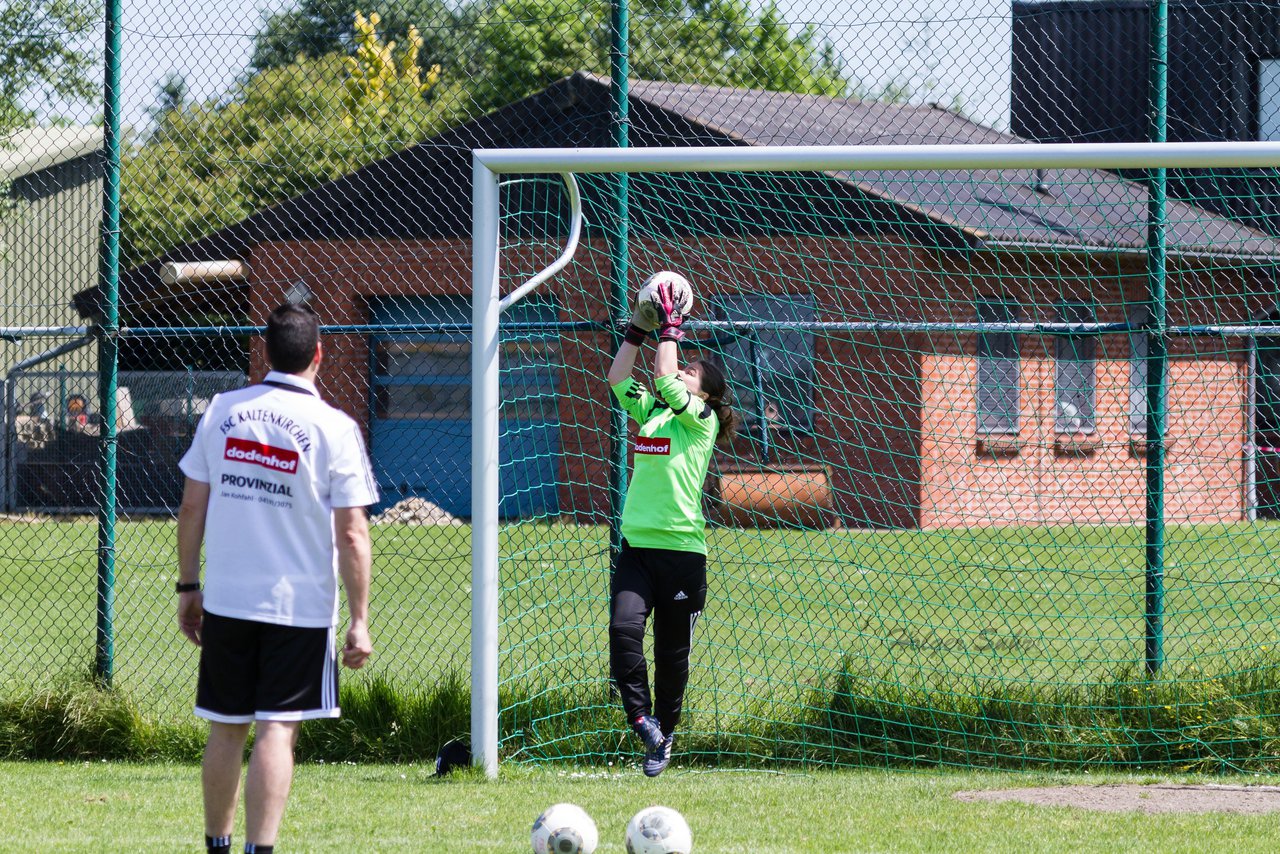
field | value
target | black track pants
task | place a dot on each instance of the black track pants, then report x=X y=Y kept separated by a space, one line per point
x=673 y=586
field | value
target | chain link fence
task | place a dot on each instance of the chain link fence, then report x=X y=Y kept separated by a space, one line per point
x=319 y=152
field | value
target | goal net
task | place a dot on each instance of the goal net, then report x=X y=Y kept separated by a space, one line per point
x=1004 y=485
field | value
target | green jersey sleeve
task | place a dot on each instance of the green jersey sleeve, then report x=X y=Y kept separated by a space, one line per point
x=692 y=412
x=635 y=399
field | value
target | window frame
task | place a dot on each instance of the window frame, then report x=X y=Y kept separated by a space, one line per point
x=757 y=346
x=1076 y=353
x=998 y=377
x=530 y=367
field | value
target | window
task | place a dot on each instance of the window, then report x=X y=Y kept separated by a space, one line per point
x=1269 y=99
x=998 y=369
x=1075 y=373
x=770 y=370
x=426 y=376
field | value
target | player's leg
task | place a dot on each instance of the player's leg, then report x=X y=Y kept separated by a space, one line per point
x=220 y=779
x=297 y=681
x=677 y=605
x=630 y=601
x=266 y=787
x=224 y=696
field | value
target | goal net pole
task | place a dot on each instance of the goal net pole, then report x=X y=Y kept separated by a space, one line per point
x=489 y=164
x=487 y=306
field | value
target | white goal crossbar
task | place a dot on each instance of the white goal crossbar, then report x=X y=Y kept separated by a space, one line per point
x=487 y=302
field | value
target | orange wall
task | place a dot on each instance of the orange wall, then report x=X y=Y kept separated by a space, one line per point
x=1043 y=482
x=894 y=413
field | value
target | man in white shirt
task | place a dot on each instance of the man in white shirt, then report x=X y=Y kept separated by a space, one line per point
x=276 y=490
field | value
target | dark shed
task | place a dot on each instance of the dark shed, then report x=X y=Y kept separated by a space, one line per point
x=1081 y=74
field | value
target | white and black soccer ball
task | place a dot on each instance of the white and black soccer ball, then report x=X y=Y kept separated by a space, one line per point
x=564 y=829
x=658 y=830
x=680 y=289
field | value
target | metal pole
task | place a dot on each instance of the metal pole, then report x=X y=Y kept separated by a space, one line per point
x=757 y=386
x=845 y=158
x=484 y=469
x=619 y=256
x=1251 y=436
x=108 y=347
x=1157 y=356
x=62 y=395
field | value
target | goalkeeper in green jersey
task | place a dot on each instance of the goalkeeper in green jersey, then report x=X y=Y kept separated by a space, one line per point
x=662 y=568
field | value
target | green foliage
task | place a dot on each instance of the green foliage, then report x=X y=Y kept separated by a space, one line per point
x=320 y=27
x=77 y=718
x=280 y=133
x=380 y=85
x=523 y=45
x=1191 y=723
x=506 y=49
x=45 y=48
x=386 y=722
x=335 y=90
x=722 y=42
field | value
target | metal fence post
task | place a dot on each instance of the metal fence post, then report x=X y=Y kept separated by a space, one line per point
x=1157 y=356
x=618 y=257
x=108 y=348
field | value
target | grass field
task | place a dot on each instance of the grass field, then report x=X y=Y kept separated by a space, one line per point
x=923 y=622
x=126 y=807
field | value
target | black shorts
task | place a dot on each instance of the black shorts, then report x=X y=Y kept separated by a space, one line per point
x=260 y=671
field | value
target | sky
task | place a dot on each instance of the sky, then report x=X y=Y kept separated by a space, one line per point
x=954 y=52
x=208 y=43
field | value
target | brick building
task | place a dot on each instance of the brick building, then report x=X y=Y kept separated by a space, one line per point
x=894 y=426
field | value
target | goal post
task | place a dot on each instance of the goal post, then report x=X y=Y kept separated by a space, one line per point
x=994 y=325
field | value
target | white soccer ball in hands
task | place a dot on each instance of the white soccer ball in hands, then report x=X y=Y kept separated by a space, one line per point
x=658 y=830
x=564 y=829
x=647 y=311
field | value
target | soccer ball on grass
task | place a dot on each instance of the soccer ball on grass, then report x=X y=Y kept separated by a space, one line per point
x=680 y=288
x=658 y=830
x=564 y=829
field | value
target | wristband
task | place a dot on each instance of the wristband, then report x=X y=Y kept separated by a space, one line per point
x=634 y=335
x=189 y=587
x=671 y=333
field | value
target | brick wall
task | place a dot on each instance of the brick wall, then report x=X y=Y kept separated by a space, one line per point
x=894 y=411
x=1100 y=479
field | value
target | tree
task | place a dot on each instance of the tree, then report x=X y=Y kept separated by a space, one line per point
x=355 y=90
x=721 y=42
x=378 y=82
x=503 y=50
x=43 y=53
x=317 y=28
x=275 y=135
x=172 y=93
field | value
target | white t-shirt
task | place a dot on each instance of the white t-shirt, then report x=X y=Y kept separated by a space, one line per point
x=277 y=459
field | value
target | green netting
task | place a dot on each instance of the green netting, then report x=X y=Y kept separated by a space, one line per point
x=931 y=541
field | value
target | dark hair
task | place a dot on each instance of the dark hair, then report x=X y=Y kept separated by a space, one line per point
x=292 y=334
x=717 y=390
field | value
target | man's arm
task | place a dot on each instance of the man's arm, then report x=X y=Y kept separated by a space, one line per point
x=191 y=516
x=355 y=557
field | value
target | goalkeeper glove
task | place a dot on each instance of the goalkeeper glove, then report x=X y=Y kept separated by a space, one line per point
x=639 y=328
x=669 y=316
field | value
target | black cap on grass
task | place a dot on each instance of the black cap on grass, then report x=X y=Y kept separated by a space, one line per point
x=454 y=754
